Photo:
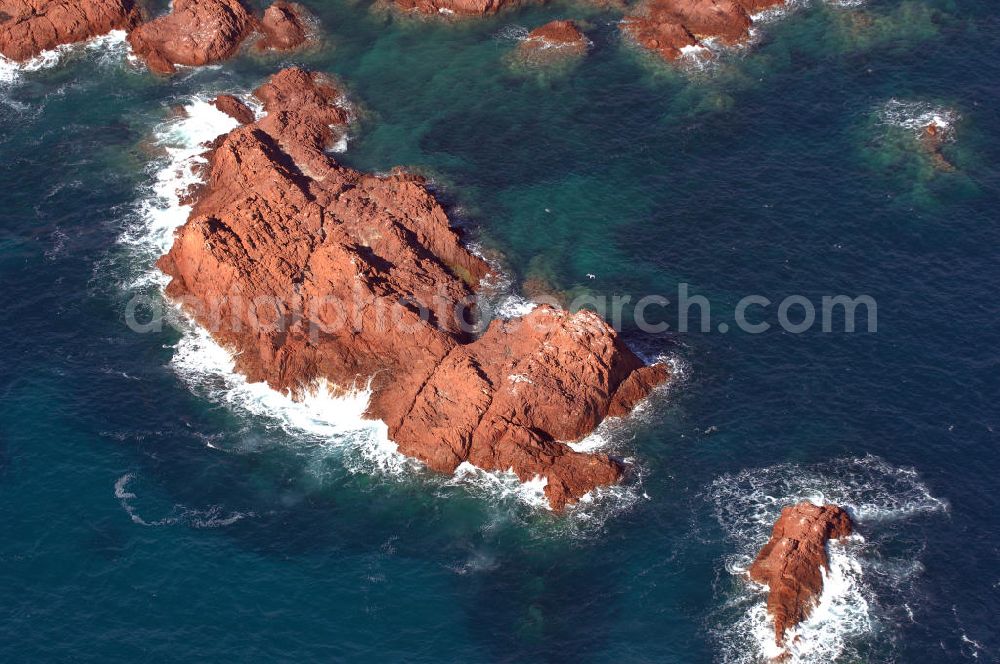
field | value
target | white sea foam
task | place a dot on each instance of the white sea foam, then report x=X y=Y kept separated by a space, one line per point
x=494 y=485
x=162 y=212
x=211 y=517
x=917 y=116
x=111 y=48
x=747 y=505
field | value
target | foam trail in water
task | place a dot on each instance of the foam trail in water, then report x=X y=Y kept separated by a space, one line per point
x=213 y=517
x=747 y=504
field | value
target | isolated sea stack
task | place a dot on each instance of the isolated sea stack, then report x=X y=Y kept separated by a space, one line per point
x=28 y=27
x=200 y=32
x=791 y=564
x=666 y=27
x=313 y=273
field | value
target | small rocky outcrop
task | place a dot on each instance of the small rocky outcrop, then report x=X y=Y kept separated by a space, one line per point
x=311 y=271
x=200 y=32
x=28 y=27
x=791 y=564
x=666 y=27
x=284 y=26
x=234 y=108
x=557 y=39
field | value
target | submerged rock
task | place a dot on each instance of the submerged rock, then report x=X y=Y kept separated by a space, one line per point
x=667 y=27
x=310 y=271
x=791 y=564
x=934 y=136
x=200 y=32
x=28 y=27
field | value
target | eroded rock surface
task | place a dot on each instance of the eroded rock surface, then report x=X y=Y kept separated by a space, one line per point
x=310 y=270
x=28 y=27
x=666 y=27
x=791 y=564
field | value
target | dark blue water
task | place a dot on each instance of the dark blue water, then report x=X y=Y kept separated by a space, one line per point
x=152 y=512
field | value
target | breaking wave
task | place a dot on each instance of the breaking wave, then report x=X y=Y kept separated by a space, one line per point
x=854 y=605
x=916 y=116
x=112 y=47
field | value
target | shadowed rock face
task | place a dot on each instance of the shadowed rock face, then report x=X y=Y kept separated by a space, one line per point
x=28 y=27
x=309 y=270
x=667 y=26
x=791 y=563
x=199 y=32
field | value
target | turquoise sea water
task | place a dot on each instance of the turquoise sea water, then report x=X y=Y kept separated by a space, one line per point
x=152 y=510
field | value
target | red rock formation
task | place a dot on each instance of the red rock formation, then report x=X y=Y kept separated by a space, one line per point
x=790 y=563
x=667 y=26
x=234 y=108
x=310 y=270
x=199 y=32
x=556 y=39
x=457 y=7
x=283 y=26
x=28 y=27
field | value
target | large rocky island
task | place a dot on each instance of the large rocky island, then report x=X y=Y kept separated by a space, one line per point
x=310 y=271
x=791 y=564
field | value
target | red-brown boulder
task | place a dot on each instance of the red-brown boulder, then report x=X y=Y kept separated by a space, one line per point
x=791 y=563
x=28 y=27
x=310 y=271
